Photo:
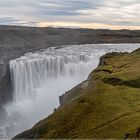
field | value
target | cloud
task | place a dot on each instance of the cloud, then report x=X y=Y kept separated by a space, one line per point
x=106 y=13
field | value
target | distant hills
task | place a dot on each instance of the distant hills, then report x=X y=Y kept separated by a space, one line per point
x=18 y=40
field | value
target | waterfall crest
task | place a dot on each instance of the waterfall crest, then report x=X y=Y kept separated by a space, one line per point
x=34 y=69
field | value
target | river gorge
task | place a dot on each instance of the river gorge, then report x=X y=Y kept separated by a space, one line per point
x=40 y=77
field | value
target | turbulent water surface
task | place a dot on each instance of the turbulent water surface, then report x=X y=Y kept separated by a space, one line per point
x=39 y=79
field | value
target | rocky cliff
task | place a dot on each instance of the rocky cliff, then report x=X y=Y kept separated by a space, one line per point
x=106 y=105
x=15 y=41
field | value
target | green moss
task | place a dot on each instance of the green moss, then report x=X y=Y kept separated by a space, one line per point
x=109 y=107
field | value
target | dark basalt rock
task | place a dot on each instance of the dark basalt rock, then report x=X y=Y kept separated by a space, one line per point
x=3 y=113
x=5 y=85
x=61 y=100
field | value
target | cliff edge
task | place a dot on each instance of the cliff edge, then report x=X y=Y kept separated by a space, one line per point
x=106 y=105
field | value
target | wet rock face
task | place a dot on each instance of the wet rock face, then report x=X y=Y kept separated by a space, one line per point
x=61 y=100
x=3 y=113
x=5 y=84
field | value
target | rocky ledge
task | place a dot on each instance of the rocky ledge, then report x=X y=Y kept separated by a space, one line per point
x=106 y=105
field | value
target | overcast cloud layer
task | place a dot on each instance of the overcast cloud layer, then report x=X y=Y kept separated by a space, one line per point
x=72 y=13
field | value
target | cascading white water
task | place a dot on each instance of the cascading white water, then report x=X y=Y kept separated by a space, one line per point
x=39 y=78
x=33 y=70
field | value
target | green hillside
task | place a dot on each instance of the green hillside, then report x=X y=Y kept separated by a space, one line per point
x=107 y=105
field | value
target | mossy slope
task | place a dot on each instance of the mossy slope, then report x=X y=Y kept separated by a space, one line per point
x=107 y=105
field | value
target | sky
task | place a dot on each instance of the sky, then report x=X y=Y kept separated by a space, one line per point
x=105 y=14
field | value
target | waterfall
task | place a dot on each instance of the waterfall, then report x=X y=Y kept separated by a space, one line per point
x=33 y=70
x=39 y=78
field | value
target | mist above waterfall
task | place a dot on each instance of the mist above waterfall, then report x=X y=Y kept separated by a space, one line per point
x=39 y=78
